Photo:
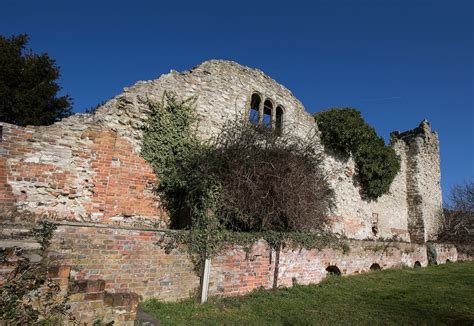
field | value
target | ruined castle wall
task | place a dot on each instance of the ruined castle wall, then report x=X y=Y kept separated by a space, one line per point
x=88 y=167
x=223 y=90
x=108 y=269
x=78 y=171
x=359 y=218
x=429 y=180
x=423 y=182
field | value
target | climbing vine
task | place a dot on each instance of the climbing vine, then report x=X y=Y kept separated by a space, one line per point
x=245 y=184
x=345 y=132
x=201 y=243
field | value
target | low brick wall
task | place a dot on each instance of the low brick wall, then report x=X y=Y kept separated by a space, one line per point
x=108 y=270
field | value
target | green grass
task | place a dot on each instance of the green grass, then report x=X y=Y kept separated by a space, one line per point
x=430 y=296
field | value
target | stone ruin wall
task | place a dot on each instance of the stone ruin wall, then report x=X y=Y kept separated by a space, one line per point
x=76 y=170
x=88 y=168
x=423 y=181
x=223 y=90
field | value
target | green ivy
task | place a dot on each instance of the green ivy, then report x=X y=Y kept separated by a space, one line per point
x=192 y=193
x=200 y=241
x=168 y=141
x=172 y=148
x=345 y=132
x=431 y=253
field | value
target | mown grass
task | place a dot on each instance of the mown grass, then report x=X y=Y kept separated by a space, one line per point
x=435 y=295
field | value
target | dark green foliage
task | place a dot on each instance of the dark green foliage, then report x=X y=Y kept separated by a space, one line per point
x=431 y=253
x=377 y=166
x=171 y=147
x=245 y=179
x=437 y=295
x=346 y=132
x=168 y=141
x=28 y=88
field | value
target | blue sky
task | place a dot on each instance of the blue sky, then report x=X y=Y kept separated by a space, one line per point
x=396 y=61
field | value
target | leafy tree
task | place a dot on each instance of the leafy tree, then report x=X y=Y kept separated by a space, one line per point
x=28 y=88
x=345 y=131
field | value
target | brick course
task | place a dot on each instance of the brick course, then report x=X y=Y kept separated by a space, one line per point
x=109 y=269
x=90 y=174
x=106 y=261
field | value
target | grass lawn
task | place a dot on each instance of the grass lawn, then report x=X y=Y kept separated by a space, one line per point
x=435 y=295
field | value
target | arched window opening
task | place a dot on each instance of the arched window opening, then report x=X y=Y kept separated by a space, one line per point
x=417 y=264
x=375 y=267
x=254 y=109
x=267 y=114
x=279 y=119
x=333 y=270
x=447 y=261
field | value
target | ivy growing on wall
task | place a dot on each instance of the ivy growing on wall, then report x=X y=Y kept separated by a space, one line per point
x=345 y=132
x=245 y=179
x=201 y=244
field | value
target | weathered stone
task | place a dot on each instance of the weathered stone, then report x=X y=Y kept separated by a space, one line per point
x=23 y=244
x=88 y=168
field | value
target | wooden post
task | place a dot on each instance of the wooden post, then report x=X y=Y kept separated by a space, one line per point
x=205 y=279
x=277 y=268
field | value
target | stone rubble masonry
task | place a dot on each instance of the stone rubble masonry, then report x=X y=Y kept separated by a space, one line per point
x=76 y=171
x=88 y=167
x=423 y=182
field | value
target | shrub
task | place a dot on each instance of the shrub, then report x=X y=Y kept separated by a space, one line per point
x=457 y=219
x=431 y=253
x=269 y=181
x=247 y=178
x=345 y=132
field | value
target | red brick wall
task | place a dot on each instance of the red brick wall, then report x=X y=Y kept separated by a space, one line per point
x=122 y=178
x=130 y=261
x=85 y=174
x=445 y=252
x=107 y=268
x=126 y=260
x=7 y=199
